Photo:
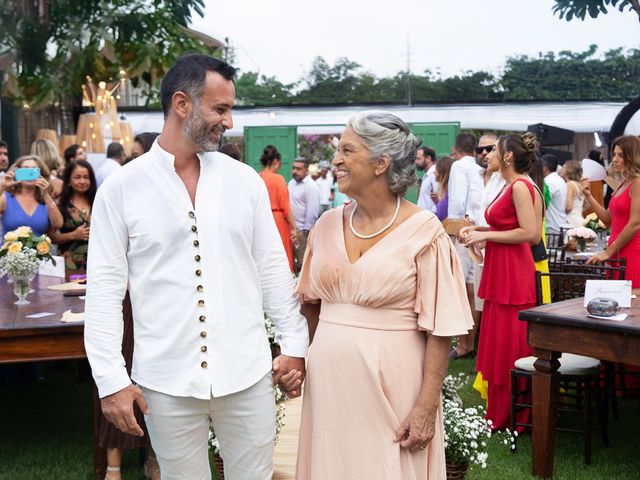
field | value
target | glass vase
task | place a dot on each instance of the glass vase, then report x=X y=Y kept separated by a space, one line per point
x=581 y=244
x=21 y=288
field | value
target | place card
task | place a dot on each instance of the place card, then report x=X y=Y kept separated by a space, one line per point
x=618 y=290
x=47 y=268
x=40 y=315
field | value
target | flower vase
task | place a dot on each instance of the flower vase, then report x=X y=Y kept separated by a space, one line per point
x=456 y=471
x=21 y=289
x=581 y=244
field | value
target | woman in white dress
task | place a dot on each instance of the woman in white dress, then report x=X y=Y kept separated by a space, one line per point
x=572 y=173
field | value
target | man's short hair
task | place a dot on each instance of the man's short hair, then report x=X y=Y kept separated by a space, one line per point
x=550 y=161
x=429 y=152
x=4 y=144
x=302 y=160
x=466 y=143
x=115 y=150
x=188 y=76
x=70 y=152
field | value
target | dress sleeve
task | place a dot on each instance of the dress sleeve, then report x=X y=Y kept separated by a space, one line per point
x=441 y=295
x=307 y=295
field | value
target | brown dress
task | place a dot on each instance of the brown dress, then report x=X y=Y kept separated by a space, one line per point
x=365 y=365
x=109 y=436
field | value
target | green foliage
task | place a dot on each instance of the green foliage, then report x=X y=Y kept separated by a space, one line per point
x=570 y=9
x=96 y=38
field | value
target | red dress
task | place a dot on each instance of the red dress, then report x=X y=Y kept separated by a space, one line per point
x=279 y=198
x=507 y=286
x=620 y=207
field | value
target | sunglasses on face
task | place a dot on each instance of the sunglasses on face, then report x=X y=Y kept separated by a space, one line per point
x=486 y=148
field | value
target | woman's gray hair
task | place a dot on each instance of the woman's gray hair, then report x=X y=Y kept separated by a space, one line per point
x=385 y=134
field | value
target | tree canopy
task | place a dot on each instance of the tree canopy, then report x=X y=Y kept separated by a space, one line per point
x=570 y=9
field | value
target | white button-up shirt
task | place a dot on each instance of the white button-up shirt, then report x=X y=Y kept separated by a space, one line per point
x=198 y=278
x=492 y=189
x=108 y=167
x=465 y=188
x=556 y=213
x=304 y=198
x=429 y=185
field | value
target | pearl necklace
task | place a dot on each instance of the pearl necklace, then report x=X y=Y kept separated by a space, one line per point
x=379 y=232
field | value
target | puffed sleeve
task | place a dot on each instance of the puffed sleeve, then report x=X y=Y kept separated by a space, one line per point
x=307 y=295
x=441 y=295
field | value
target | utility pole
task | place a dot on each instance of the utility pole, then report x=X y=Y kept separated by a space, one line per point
x=408 y=75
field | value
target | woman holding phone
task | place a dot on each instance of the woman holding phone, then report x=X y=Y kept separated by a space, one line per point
x=76 y=200
x=27 y=198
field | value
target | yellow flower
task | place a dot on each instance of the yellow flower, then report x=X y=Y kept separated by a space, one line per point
x=15 y=247
x=22 y=232
x=43 y=248
x=11 y=236
x=5 y=245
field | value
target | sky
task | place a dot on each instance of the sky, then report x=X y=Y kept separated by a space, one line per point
x=280 y=38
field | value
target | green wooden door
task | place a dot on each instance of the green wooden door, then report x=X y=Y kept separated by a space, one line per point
x=283 y=138
x=440 y=137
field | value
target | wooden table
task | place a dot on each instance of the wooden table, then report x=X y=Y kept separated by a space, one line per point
x=565 y=327
x=25 y=339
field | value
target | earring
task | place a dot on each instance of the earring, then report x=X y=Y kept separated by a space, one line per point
x=506 y=162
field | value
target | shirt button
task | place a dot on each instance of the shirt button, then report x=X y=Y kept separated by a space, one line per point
x=192 y=214
x=202 y=318
x=203 y=334
x=203 y=364
x=199 y=272
x=197 y=258
x=201 y=303
x=194 y=228
x=203 y=348
x=196 y=243
x=200 y=288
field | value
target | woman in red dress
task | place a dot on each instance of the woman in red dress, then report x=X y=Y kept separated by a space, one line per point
x=508 y=278
x=623 y=214
x=279 y=197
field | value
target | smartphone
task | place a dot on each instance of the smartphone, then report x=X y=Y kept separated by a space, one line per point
x=27 y=174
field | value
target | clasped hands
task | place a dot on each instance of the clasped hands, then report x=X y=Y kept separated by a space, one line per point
x=471 y=235
x=289 y=373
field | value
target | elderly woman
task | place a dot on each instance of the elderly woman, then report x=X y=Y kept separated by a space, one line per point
x=383 y=294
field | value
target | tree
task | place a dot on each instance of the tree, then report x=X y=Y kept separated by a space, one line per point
x=55 y=45
x=259 y=90
x=568 y=9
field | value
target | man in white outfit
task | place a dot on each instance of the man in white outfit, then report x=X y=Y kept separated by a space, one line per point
x=426 y=160
x=189 y=232
x=556 y=216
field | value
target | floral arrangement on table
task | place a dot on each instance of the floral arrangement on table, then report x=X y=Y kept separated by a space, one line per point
x=466 y=431
x=20 y=257
x=592 y=222
x=214 y=444
x=581 y=235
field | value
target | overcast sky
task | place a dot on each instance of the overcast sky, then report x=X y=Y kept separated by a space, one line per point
x=281 y=37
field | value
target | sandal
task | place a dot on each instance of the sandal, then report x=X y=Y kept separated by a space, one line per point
x=152 y=468
x=112 y=470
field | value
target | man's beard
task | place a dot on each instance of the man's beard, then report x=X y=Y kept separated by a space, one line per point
x=199 y=133
x=420 y=168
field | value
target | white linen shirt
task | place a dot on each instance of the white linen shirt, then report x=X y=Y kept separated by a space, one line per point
x=198 y=278
x=428 y=186
x=108 y=167
x=556 y=214
x=492 y=189
x=305 y=204
x=465 y=188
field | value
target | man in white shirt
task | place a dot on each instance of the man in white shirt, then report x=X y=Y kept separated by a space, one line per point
x=465 y=194
x=190 y=233
x=325 y=185
x=113 y=162
x=304 y=199
x=556 y=216
x=426 y=160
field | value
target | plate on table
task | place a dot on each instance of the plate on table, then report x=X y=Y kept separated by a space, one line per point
x=584 y=254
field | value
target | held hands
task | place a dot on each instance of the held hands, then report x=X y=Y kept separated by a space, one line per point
x=417 y=430
x=471 y=235
x=118 y=409
x=81 y=233
x=289 y=373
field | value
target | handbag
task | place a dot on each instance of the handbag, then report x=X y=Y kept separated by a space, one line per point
x=453 y=225
x=539 y=252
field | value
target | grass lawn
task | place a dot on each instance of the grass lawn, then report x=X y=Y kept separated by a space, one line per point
x=45 y=433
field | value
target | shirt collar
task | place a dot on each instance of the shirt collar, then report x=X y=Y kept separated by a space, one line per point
x=168 y=159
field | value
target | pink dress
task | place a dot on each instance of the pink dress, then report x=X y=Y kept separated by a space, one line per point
x=365 y=364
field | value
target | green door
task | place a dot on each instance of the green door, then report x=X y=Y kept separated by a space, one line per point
x=283 y=138
x=440 y=137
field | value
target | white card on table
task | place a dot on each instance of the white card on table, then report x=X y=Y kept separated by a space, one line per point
x=47 y=268
x=40 y=315
x=618 y=290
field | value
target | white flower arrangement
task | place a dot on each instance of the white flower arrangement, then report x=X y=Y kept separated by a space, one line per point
x=582 y=233
x=214 y=443
x=23 y=251
x=19 y=264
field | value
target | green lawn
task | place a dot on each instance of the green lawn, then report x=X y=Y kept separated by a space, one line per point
x=45 y=433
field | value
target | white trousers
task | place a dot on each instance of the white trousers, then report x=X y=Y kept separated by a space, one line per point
x=244 y=423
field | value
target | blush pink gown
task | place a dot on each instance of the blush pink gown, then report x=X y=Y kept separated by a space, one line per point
x=365 y=364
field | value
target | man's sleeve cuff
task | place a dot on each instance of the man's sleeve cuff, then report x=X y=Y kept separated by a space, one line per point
x=294 y=347
x=113 y=383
